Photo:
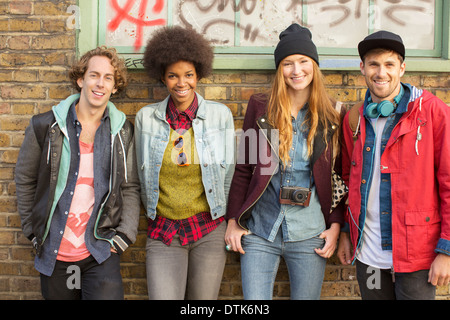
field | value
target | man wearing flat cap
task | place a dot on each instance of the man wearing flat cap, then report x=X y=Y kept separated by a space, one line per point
x=395 y=155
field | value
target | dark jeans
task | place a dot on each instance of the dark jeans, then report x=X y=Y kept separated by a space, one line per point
x=380 y=284
x=84 y=280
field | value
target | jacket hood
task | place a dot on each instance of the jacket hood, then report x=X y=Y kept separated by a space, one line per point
x=117 y=118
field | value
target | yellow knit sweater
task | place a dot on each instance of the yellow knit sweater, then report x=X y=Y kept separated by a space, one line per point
x=181 y=192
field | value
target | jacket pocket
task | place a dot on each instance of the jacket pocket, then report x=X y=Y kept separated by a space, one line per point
x=423 y=230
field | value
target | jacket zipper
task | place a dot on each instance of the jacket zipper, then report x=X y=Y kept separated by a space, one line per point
x=124 y=159
x=276 y=167
x=239 y=220
x=100 y=211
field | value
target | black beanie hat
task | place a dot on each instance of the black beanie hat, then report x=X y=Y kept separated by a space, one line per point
x=295 y=40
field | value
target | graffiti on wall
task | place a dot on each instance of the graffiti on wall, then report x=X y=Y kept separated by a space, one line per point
x=257 y=23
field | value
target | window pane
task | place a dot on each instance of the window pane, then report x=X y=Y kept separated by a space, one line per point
x=338 y=24
x=413 y=20
x=215 y=19
x=253 y=26
x=131 y=23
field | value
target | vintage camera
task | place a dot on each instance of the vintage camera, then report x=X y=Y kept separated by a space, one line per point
x=295 y=196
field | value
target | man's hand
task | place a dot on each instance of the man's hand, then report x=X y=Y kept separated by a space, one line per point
x=439 y=274
x=344 y=252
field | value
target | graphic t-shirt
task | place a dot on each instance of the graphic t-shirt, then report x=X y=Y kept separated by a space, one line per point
x=73 y=246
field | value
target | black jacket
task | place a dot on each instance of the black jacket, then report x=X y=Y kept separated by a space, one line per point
x=36 y=178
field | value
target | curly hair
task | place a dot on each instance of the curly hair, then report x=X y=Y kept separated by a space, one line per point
x=172 y=44
x=120 y=71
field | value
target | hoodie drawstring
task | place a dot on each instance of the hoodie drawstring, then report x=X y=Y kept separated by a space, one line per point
x=124 y=158
x=419 y=135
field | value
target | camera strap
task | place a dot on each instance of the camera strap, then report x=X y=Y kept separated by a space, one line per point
x=310 y=175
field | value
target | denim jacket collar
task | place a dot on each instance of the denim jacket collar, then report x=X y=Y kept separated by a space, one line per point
x=319 y=144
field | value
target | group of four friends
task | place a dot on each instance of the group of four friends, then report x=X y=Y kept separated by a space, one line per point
x=308 y=178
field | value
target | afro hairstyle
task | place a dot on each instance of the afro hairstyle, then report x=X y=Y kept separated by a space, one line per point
x=171 y=44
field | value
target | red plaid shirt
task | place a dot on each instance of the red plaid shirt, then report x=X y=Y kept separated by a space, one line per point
x=192 y=228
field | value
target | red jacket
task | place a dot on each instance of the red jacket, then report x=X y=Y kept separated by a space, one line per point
x=251 y=178
x=417 y=156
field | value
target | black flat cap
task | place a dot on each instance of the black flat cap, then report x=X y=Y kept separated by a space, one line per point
x=382 y=39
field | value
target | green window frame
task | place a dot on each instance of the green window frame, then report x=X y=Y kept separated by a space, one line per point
x=93 y=33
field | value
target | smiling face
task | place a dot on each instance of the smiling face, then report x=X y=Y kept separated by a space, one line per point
x=382 y=71
x=181 y=80
x=97 y=84
x=298 y=72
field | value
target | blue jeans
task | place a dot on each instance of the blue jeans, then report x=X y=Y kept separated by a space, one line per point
x=259 y=266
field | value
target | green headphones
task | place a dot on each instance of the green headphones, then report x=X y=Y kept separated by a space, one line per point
x=384 y=108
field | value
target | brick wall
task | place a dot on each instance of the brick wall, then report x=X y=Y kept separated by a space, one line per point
x=36 y=49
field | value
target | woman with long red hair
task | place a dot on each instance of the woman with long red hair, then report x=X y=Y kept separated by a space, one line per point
x=280 y=201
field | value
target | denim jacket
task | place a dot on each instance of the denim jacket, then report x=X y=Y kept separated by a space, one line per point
x=215 y=142
x=385 y=178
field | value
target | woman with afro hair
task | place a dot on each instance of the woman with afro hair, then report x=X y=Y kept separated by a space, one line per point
x=185 y=152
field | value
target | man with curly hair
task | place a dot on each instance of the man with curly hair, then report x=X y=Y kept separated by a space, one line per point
x=185 y=150
x=77 y=184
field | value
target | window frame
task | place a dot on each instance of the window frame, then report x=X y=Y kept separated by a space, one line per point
x=240 y=58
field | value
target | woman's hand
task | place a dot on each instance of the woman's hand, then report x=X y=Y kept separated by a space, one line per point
x=331 y=236
x=233 y=236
